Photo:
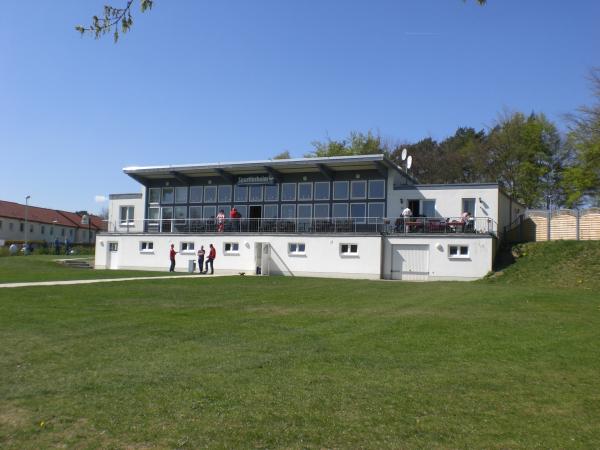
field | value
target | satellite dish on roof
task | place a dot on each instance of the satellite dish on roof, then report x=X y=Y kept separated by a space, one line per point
x=409 y=162
x=404 y=154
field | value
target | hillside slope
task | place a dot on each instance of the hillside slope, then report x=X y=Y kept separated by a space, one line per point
x=560 y=264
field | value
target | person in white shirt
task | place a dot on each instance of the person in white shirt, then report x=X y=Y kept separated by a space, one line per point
x=407 y=212
x=406 y=215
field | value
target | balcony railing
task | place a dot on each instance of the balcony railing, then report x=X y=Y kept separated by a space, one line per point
x=373 y=225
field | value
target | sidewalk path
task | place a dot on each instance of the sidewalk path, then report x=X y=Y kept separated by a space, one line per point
x=102 y=280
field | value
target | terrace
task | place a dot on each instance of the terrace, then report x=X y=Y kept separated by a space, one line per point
x=368 y=225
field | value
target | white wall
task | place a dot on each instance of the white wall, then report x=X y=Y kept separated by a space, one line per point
x=51 y=232
x=322 y=256
x=448 y=200
x=441 y=267
x=114 y=219
x=509 y=211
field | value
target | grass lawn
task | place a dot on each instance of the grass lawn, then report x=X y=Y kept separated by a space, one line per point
x=244 y=362
x=16 y=269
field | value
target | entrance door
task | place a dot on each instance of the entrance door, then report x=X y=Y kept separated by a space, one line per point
x=261 y=258
x=410 y=262
x=413 y=205
x=112 y=256
x=254 y=214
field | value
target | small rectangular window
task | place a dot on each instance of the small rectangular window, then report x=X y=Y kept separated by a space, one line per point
x=42 y=228
x=0 y=224
x=349 y=249
x=186 y=247
x=126 y=214
x=11 y=226
x=231 y=248
x=297 y=248
x=21 y=227
x=458 y=251
x=113 y=246
x=146 y=246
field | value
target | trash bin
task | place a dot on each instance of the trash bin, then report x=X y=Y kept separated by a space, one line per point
x=191 y=265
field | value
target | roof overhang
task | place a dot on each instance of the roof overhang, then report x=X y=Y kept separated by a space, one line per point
x=229 y=171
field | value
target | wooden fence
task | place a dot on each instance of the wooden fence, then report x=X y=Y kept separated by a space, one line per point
x=567 y=224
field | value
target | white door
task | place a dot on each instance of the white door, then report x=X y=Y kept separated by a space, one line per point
x=113 y=255
x=410 y=262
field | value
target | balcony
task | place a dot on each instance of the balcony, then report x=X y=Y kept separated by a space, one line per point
x=369 y=225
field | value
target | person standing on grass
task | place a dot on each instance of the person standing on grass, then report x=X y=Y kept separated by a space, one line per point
x=212 y=254
x=201 y=254
x=172 y=254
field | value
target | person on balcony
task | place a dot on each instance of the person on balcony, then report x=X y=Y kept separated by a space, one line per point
x=235 y=216
x=221 y=221
x=406 y=215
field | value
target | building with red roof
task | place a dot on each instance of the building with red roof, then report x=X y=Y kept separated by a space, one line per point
x=44 y=224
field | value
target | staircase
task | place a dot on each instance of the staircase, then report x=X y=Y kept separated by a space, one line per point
x=77 y=263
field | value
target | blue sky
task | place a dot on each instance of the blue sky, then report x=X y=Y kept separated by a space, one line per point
x=206 y=81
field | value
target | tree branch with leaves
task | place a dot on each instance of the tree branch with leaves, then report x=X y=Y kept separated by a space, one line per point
x=113 y=20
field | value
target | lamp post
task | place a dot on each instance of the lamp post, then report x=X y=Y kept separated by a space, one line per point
x=27 y=224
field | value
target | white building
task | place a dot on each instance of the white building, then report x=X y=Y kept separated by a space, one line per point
x=332 y=217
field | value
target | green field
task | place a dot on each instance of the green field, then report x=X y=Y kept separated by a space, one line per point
x=276 y=362
x=17 y=269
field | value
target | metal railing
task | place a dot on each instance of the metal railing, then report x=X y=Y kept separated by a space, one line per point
x=373 y=225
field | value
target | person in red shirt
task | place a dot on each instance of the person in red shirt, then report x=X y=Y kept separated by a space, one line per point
x=212 y=254
x=172 y=254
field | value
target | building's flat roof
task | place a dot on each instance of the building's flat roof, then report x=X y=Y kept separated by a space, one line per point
x=272 y=167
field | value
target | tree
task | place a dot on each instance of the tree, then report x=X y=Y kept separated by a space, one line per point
x=356 y=144
x=113 y=19
x=582 y=178
x=283 y=155
x=520 y=155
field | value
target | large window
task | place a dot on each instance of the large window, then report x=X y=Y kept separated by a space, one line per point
x=272 y=193
x=305 y=191
x=340 y=190
x=468 y=205
x=358 y=190
x=195 y=212
x=358 y=212
x=210 y=194
x=288 y=211
x=209 y=212
x=340 y=210
x=224 y=193
x=168 y=195
x=376 y=211
x=153 y=214
x=240 y=194
x=154 y=195
x=376 y=189
x=322 y=190
x=321 y=210
x=126 y=215
x=270 y=211
x=242 y=210
x=256 y=193
x=196 y=194
x=288 y=192
x=181 y=194
x=180 y=213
